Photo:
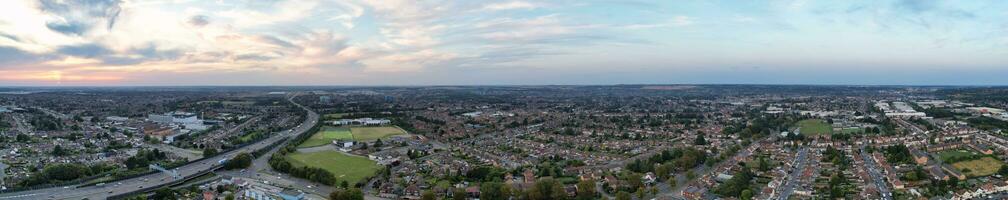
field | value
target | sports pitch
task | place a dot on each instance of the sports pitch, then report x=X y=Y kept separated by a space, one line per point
x=349 y=168
x=980 y=167
x=373 y=133
x=814 y=127
x=326 y=136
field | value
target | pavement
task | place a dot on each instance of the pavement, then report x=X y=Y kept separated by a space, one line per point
x=154 y=180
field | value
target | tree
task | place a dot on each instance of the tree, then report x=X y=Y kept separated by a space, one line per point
x=22 y=138
x=427 y=195
x=746 y=194
x=240 y=161
x=700 y=140
x=586 y=190
x=1003 y=171
x=734 y=186
x=623 y=195
x=491 y=191
x=544 y=189
x=507 y=191
x=163 y=194
x=209 y=151
x=558 y=192
x=347 y=194
x=458 y=194
x=58 y=151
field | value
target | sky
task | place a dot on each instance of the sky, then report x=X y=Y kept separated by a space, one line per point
x=509 y=42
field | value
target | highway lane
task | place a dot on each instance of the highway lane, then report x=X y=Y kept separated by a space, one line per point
x=154 y=180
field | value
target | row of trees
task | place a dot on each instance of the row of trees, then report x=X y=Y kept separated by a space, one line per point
x=279 y=163
x=897 y=154
x=145 y=157
x=44 y=122
x=62 y=172
x=543 y=189
x=738 y=186
x=676 y=160
x=347 y=194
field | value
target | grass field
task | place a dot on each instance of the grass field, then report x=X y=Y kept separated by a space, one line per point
x=955 y=154
x=811 y=127
x=345 y=167
x=333 y=116
x=980 y=167
x=851 y=130
x=372 y=133
x=326 y=136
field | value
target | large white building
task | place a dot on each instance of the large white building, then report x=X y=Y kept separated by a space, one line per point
x=898 y=109
x=363 y=121
x=184 y=120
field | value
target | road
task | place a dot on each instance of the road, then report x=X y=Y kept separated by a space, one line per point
x=876 y=176
x=157 y=179
x=792 y=179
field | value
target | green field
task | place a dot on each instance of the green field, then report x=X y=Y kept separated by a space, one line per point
x=980 y=167
x=851 y=130
x=333 y=116
x=373 y=133
x=811 y=127
x=345 y=167
x=955 y=154
x=326 y=136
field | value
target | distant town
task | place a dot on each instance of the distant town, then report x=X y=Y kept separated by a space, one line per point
x=624 y=142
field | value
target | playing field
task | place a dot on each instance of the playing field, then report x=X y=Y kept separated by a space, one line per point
x=955 y=154
x=326 y=136
x=334 y=116
x=980 y=167
x=851 y=130
x=814 y=127
x=345 y=167
x=372 y=133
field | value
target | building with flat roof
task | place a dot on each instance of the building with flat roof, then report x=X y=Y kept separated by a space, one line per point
x=184 y=120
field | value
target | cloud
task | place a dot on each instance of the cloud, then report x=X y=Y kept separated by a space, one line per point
x=681 y=21
x=78 y=16
x=510 y=5
x=10 y=56
x=65 y=28
x=84 y=50
x=915 y=6
x=334 y=40
x=198 y=20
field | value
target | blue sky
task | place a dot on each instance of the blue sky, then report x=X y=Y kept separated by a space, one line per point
x=409 y=42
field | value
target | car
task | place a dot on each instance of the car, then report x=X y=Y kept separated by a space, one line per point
x=110 y=191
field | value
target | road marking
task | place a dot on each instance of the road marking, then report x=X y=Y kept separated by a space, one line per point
x=19 y=196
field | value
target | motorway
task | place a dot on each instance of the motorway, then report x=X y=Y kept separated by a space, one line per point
x=876 y=176
x=158 y=179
